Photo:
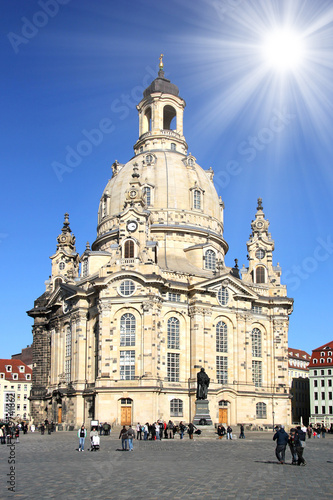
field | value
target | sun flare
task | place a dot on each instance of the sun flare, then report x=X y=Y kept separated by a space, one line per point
x=283 y=50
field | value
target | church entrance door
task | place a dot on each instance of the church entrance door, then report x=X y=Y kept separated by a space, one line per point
x=126 y=415
x=223 y=415
x=59 y=415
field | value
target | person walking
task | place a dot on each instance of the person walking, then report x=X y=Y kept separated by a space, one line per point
x=229 y=432
x=170 y=430
x=190 y=430
x=82 y=434
x=131 y=436
x=323 y=431
x=281 y=438
x=242 y=435
x=292 y=446
x=139 y=431
x=300 y=445
x=181 y=429
x=124 y=438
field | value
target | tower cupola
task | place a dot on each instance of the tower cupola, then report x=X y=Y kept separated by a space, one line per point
x=161 y=116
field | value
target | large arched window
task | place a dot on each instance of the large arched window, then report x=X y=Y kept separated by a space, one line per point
x=127 y=330
x=210 y=260
x=221 y=337
x=173 y=333
x=260 y=275
x=176 y=408
x=169 y=118
x=147 y=121
x=129 y=249
x=261 y=410
x=256 y=343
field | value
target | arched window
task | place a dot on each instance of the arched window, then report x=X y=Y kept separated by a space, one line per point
x=256 y=343
x=169 y=115
x=176 y=408
x=322 y=360
x=261 y=410
x=127 y=330
x=147 y=121
x=173 y=146
x=221 y=337
x=147 y=193
x=173 y=333
x=129 y=249
x=260 y=275
x=223 y=403
x=210 y=260
x=197 y=199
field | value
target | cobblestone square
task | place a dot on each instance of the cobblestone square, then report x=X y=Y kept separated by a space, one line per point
x=50 y=466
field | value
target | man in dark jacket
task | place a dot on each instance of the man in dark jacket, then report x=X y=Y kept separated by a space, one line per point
x=300 y=444
x=281 y=438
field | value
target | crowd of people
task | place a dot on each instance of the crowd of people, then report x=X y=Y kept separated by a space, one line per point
x=11 y=431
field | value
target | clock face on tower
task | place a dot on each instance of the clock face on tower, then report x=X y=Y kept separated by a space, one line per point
x=132 y=225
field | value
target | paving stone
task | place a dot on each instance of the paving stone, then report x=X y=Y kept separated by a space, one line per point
x=48 y=467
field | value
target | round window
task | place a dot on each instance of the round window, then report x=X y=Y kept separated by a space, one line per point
x=223 y=296
x=149 y=158
x=260 y=254
x=127 y=287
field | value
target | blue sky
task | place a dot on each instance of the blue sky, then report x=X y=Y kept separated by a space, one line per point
x=71 y=66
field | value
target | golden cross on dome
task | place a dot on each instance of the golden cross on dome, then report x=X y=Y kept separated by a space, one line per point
x=161 y=65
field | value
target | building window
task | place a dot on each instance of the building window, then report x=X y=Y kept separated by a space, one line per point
x=261 y=410
x=260 y=274
x=21 y=369
x=222 y=369
x=256 y=343
x=322 y=360
x=15 y=376
x=68 y=341
x=210 y=260
x=173 y=367
x=18 y=397
x=147 y=194
x=68 y=370
x=315 y=361
x=329 y=382
x=329 y=395
x=315 y=395
x=329 y=360
x=257 y=309
x=315 y=383
x=323 y=410
x=176 y=408
x=18 y=387
x=173 y=333
x=149 y=159
x=329 y=372
x=257 y=373
x=322 y=372
x=197 y=199
x=315 y=372
x=8 y=368
x=260 y=254
x=127 y=365
x=223 y=403
x=330 y=410
x=129 y=249
x=323 y=396
x=322 y=383
x=316 y=410
x=221 y=337
x=173 y=146
x=322 y=354
x=223 y=296
x=127 y=330
x=190 y=162
x=25 y=387
x=173 y=297
x=127 y=288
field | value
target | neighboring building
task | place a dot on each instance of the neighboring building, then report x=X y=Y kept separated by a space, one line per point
x=321 y=390
x=15 y=386
x=25 y=355
x=124 y=337
x=299 y=385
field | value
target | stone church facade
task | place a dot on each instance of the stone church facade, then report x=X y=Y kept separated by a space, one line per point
x=121 y=332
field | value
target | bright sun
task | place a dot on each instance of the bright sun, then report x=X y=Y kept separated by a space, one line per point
x=283 y=50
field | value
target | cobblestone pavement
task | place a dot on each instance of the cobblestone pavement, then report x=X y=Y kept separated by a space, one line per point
x=51 y=467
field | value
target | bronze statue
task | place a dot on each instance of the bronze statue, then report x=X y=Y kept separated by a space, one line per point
x=202 y=384
x=161 y=61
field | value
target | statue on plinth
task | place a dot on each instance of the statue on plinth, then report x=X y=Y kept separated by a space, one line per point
x=202 y=384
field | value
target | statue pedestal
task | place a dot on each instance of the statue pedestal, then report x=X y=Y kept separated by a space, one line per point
x=202 y=412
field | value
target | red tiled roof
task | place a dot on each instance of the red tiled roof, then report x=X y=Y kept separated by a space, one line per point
x=321 y=357
x=298 y=354
x=15 y=364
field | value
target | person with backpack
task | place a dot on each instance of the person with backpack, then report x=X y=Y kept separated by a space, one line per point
x=124 y=438
x=170 y=430
x=229 y=432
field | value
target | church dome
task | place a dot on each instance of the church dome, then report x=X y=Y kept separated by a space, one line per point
x=163 y=179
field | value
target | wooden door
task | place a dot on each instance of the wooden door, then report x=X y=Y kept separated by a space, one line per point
x=126 y=415
x=223 y=415
x=59 y=415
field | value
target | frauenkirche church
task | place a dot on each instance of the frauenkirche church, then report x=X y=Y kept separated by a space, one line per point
x=122 y=331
